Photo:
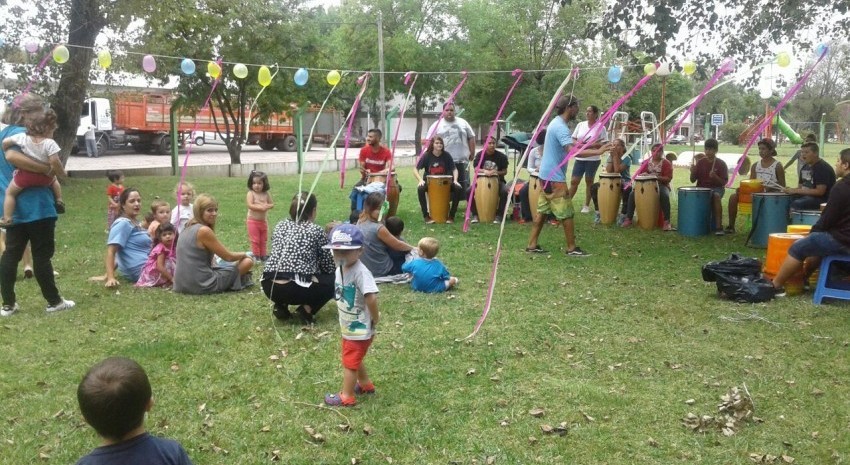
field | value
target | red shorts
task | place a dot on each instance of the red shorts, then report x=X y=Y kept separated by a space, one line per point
x=24 y=179
x=353 y=353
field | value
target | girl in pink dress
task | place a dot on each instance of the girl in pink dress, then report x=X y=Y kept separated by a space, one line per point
x=159 y=269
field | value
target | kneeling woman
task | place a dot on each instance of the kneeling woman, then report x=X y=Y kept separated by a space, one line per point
x=196 y=246
x=299 y=271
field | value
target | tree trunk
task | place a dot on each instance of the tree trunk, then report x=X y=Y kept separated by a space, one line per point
x=85 y=22
x=234 y=148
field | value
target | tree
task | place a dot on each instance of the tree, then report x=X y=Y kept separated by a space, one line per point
x=827 y=86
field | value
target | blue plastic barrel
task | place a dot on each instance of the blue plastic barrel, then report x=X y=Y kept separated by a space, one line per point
x=694 y=211
x=770 y=215
x=805 y=216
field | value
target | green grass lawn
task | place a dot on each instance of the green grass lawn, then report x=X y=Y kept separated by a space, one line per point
x=619 y=347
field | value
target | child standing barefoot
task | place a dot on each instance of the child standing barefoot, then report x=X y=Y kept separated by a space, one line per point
x=159 y=269
x=113 y=191
x=181 y=215
x=357 y=304
x=161 y=212
x=259 y=203
x=38 y=144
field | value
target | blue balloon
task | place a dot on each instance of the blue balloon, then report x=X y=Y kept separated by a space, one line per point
x=301 y=77
x=821 y=48
x=187 y=66
x=2 y=42
x=614 y=74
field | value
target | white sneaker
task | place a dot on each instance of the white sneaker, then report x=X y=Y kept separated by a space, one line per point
x=585 y=209
x=9 y=310
x=64 y=305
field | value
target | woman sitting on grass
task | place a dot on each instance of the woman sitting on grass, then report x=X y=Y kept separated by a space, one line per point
x=197 y=247
x=378 y=241
x=129 y=244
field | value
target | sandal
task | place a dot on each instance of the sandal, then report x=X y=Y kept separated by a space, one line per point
x=336 y=400
x=358 y=389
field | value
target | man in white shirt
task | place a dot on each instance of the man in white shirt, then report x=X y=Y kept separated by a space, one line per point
x=459 y=139
x=586 y=164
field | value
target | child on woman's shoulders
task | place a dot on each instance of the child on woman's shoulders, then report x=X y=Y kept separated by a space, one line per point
x=429 y=274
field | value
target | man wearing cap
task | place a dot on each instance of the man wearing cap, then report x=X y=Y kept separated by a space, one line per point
x=555 y=198
x=459 y=140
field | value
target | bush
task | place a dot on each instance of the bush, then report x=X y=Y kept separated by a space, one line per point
x=730 y=132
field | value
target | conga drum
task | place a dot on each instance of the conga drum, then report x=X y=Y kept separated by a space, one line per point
x=487 y=198
x=694 y=211
x=809 y=217
x=535 y=187
x=777 y=249
x=439 y=194
x=770 y=215
x=747 y=188
x=647 y=201
x=392 y=195
x=610 y=191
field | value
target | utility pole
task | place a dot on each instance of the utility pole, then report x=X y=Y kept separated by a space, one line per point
x=381 y=102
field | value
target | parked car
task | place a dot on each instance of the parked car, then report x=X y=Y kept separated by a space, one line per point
x=678 y=139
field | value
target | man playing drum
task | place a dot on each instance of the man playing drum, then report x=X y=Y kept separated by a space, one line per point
x=374 y=159
x=816 y=180
x=555 y=198
x=829 y=236
x=621 y=165
x=768 y=170
x=662 y=169
x=494 y=163
x=711 y=172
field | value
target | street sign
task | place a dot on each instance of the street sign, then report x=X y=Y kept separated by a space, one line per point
x=717 y=119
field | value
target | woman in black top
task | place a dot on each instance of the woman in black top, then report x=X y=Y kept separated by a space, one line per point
x=435 y=162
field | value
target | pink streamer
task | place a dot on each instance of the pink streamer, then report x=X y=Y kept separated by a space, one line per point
x=189 y=147
x=442 y=114
x=727 y=66
x=518 y=74
x=491 y=287
x=788 y=96
x=407 y=76
x=363 y=81
x=600 y=123
x=16 y=103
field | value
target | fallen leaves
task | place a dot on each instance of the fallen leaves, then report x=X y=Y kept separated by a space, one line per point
x=735 y=409
x=314 y=435
x=768 y=458
x=537 y=412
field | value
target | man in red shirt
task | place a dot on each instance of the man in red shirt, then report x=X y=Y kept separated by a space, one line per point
x=711 y=172
x=374 y=159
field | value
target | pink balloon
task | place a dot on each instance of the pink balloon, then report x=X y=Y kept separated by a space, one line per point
x=148 y=63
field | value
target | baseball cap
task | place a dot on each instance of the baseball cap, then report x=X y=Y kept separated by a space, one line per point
x=345 y=237
x=566 y=101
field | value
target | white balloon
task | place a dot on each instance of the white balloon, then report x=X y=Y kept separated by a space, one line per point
x=663 y=69
x=765 y=90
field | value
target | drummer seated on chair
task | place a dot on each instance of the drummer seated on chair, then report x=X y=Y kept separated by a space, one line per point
x=437 y=162
x=816 y=180
x=711 y=172
x=662 y=169
x=491 y=162
x=374 y=159
x=768 y=170
x=829 y=236
x=616 y=163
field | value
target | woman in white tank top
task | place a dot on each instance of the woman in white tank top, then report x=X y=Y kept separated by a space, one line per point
x=768 y=170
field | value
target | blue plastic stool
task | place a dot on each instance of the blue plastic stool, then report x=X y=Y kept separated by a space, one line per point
x=822 y=290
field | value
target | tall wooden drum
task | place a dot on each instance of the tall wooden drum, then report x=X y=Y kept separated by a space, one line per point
x=487 y=198
x=393 y=193
x=535 y=187
x=647 y=201
x=610 y=192
x=439 y=193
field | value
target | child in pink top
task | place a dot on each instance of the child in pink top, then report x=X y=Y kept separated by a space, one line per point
x=159 y=269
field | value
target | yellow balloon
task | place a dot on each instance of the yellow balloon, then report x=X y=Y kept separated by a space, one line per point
x=61 y=54
x=783 y=59
x=689 y=67
x=264 y=77
x=240 y=71
x=333 y=77
x=104 y=59
x=214 y=69
x=649 y=69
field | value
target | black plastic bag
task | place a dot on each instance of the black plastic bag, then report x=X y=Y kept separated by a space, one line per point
x=735 y=265
x=744 y=289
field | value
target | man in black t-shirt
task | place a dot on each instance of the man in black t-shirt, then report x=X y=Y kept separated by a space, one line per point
x=816 y=180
